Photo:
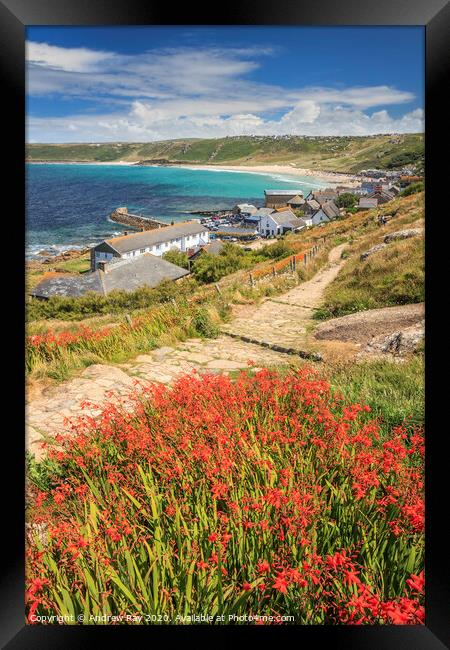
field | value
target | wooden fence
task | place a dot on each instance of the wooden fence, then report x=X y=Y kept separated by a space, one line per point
x=288 y=264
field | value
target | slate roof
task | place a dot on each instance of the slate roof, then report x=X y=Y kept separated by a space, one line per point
x=324 y=196
x=313 y=204
x=368 y=203
x=73 y=285
x=330 y=209
x=284 y=216
x=295 y=224
x=261 y=212
x=125 y=275
x=381 y=194
x=213 y=248
x=126 y=243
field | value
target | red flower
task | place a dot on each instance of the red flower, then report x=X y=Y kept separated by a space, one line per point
x=417 y=583
x=263 y=567
x=281 y=583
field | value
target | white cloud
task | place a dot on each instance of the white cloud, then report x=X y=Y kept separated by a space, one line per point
x=186 y=92
x=77 y=59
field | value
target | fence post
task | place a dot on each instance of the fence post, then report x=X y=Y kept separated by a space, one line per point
x=294 y=263
x=218 y=290
x=252 y=282
x=273 y=271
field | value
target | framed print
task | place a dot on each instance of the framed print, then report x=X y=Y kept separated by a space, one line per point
x=225 y=382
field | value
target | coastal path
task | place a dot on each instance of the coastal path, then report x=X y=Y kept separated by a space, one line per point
x=276 y=326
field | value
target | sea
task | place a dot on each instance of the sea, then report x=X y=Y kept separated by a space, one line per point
x=67 y=205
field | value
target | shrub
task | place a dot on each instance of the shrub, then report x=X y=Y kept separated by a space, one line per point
x=177 y=257
x=204 y=324
x=269 y=495
x=347 y=200
x=210 y=268
x=414 y=188
x=276 y=251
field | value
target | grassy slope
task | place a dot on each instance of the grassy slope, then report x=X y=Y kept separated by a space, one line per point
x=395 y=392
x=346 y=154
x=392 y=276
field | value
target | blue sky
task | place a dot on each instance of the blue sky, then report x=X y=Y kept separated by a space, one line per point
x=99 y=84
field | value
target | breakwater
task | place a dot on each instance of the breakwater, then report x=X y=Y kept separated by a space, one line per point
x=138 y=222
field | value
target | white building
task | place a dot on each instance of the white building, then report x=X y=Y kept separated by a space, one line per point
x=278 y=222
x=180 y=236
x=327 y=212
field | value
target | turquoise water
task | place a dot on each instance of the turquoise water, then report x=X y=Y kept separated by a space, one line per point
x=67 y=205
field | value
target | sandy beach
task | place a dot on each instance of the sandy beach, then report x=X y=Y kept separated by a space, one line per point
x=333 y=178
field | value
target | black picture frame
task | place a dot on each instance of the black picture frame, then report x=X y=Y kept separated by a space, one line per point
x=15 y=15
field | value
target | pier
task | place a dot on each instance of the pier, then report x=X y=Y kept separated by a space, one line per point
x=136 y=221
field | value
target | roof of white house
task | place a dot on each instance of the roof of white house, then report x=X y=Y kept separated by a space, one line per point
x=283 y=216
x=263 y=212
x=296 y=224
x=323 y=196
x=330 y=209
x=148 y=238
x=313 y=204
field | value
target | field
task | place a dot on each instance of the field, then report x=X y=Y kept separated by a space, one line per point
x=343 y=154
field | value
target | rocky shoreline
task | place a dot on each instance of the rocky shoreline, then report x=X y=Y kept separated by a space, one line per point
x=48 y=258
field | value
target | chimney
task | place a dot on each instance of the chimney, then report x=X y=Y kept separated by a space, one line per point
x=102 y=266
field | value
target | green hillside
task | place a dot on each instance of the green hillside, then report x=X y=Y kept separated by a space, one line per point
x=345 y=154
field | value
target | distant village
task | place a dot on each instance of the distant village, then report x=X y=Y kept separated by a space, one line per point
x=133 y=260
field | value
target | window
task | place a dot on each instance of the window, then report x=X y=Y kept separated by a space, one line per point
x=158 y=247
x=142 y=250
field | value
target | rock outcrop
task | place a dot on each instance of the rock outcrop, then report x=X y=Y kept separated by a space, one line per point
x=371 y=251
x=397 y=343
x=403 y=234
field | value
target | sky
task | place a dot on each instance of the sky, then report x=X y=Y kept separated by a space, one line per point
x=140 y=84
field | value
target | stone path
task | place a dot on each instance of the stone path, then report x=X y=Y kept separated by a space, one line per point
x=282 y=321
x=46 y=415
